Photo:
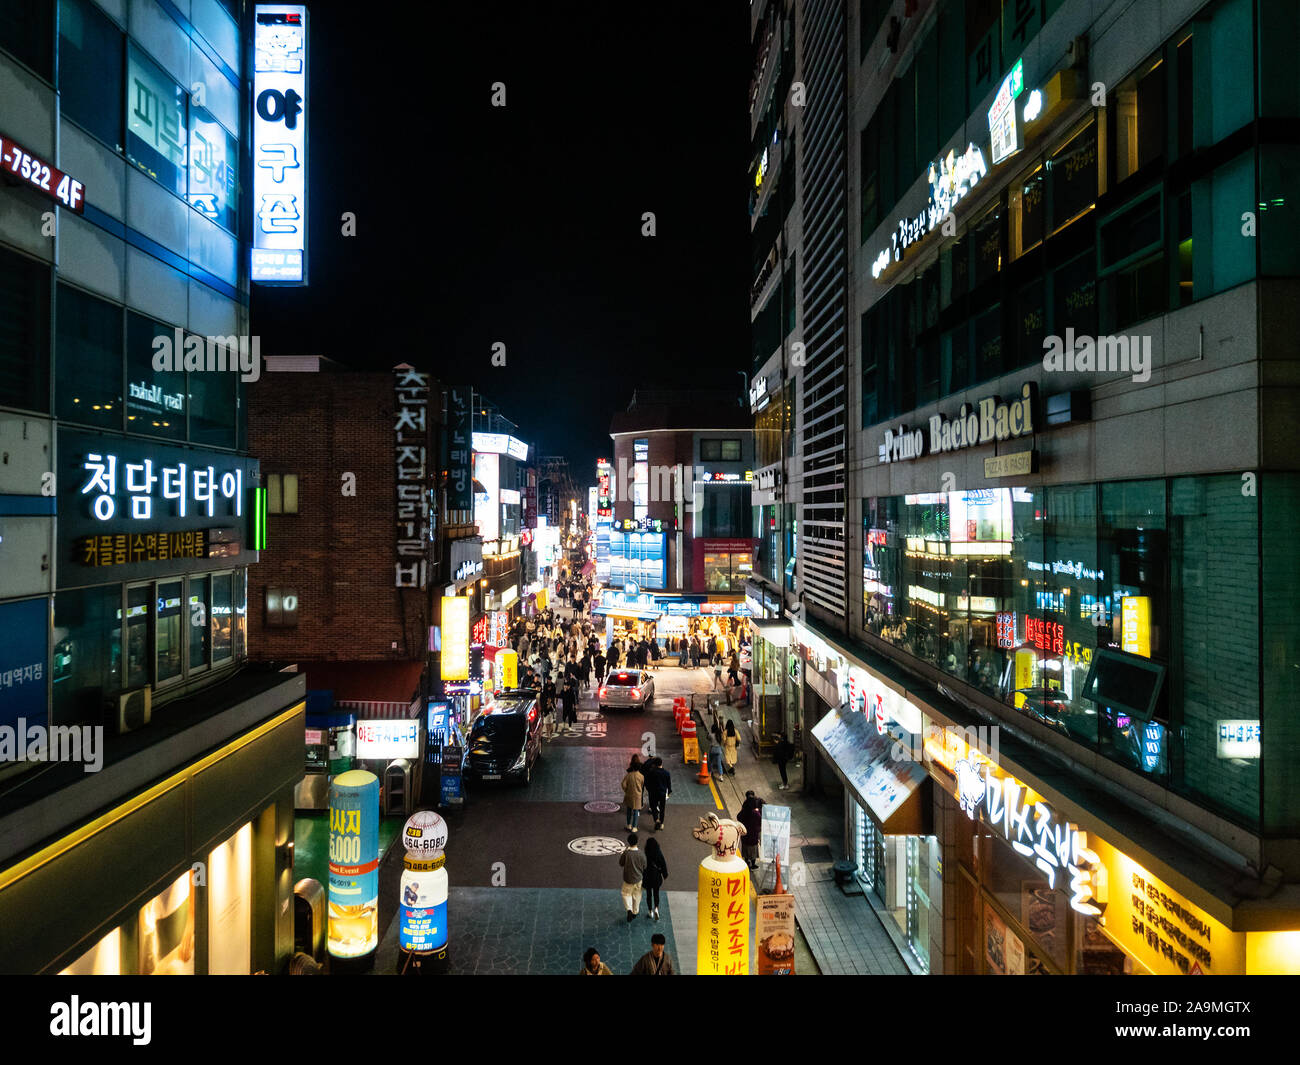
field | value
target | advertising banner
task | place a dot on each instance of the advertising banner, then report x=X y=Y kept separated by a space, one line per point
x=23 y=661
x=451 y=779
x=460 y=487
x=455 y=637
x=509 y=662
x=386 y=740
x=423 y=924
x=722 y=929
x=776 y=835
x=774 y=931
x=354 y=864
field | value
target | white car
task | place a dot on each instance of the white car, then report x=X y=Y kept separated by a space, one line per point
x=627 y=687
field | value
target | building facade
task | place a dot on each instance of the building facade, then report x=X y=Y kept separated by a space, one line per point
x=130 y=504
x=1049 y=302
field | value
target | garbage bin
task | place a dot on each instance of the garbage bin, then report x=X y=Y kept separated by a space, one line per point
x=397 y=788
x=309 y=918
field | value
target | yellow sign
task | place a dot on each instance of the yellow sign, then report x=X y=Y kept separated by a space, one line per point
x=509 y=669
x=722 y=929
x=542 y=599
x=1020 y=464
x=455 y=637
x=1135 y=616
x=1025 y=660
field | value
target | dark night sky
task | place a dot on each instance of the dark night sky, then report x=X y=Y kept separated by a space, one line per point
x=522 y=225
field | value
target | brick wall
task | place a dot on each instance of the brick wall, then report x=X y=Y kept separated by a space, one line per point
x=338 y=551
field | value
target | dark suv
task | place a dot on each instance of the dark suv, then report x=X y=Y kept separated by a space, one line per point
x=505 y=741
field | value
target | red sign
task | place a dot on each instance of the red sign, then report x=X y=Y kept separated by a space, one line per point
x=877 y=537
x=1007 y=630
x=1045 y=635
x=18 y=163
x=479 y=633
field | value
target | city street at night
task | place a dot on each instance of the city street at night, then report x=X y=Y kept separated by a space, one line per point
x=744 y=488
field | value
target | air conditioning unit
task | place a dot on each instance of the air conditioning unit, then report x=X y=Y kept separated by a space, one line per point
x=133 y=709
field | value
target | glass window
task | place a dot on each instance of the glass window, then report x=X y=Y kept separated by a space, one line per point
x=954 y=265
x=723 y=510
x=87 y=652
x=139 y=625
x=717 y=572
x=88 y=359
x=986 y=246
x=1221 y=257
x=1224 y=49
x=954 y=360
x=1074 y=296
x=871 y=205
x=198 y=617
x=214 y=158
x=214 y=411
x=952 y=68
x=1279 y=222
x=1031 y=321
x=156 y=400
x=168 y=638
x=1138 y=120
x=926 y=66
x=1027 y=208
x=24 y=332
x=25 y=33
x=720 y=450
x=1072 y=171
x=241 y=613
x=988 y=344
x=221 y=618
x=1022 y=889
x=156 y=122
x=90 y=70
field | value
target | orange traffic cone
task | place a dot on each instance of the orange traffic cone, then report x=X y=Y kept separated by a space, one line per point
x=703 y=776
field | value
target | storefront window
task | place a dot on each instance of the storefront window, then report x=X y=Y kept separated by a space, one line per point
x=1027 y=208
x=156 y=400
x=198 y=622
x=139 y=622
x=87 y=652
x=1043 y=912
x=221 y=618
x=1073 y=175
x=88 y=359
x=727 y=571
x=156 y=122
x=169 y=642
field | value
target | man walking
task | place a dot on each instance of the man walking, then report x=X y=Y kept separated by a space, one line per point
x=569 y=697
x=658 y=786
x=783 y=753
x=751 y=816
x=633 y=863
x=657 y=962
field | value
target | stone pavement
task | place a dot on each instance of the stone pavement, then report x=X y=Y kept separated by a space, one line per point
x=844 y=933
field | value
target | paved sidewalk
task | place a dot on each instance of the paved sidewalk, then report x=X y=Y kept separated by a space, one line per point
x=844 y=933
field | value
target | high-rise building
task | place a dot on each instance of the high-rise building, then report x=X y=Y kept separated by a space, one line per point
x=146 y=771
x=1053 y=602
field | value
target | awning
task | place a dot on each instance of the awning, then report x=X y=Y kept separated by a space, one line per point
x=775 y=631
x=372 y=690
x=896 y=792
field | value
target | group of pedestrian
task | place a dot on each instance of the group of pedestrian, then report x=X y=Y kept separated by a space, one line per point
x=655 y=962
x=645 y=783
x=642 y=871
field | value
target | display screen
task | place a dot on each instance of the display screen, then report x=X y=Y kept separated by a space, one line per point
x=1124 y=682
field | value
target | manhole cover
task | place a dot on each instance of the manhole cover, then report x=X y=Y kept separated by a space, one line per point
x=597 y=846
x=601 y=806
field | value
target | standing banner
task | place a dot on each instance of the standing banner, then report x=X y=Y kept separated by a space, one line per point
x=775 y=841
x=354 y=864
x=774 y=931
x=722 y=929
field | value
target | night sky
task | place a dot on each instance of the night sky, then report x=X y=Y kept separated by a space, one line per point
x=522 y=224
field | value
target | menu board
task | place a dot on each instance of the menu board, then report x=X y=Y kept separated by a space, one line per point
x=864 y=756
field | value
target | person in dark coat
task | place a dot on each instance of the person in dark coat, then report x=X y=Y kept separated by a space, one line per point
x=599 y=663
x=658 y=786
x=751 y=816
x=584 y=670
x=656 y=872
x=569 y=697
x=613 y=656
x=783 y=753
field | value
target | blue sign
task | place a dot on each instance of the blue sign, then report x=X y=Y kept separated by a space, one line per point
x=24 y=658
x=354 y=864
x=451 y=780
x=423 y=929
x=679 y=609
x=439 y=722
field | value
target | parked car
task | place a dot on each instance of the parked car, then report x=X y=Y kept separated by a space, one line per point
x=627 y=687
x=505 y=740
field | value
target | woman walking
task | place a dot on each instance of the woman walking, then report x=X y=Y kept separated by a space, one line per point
x=730 y=747
x=633 y=792
x=656 y=872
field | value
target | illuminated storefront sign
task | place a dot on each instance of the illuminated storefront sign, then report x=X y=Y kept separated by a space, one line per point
x=18 y=163
x=1029 y=824
x=455 y=637
x=460 y=489
x=119 y=549
x=1002 y=115
x=353 y=864
x=386 y=740
x=714 y=476
x=1135 y=620
x=410 y=432
x=181 y=484
x=1070 y=568
x=655 y=525
x=500 y=444
x=951 y=180
x=1239 y=739
x=487 y=500
x=987 y=421
x=1047 y=636
x=279 y=144
x=758 y=397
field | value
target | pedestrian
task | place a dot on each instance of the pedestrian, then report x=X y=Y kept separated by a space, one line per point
x=733 y=682
x=654 y=651
x=656 y=872
x=657 y=962
x=599 y=663
x=783 y=753
x=584 y=670
x=633 y=792
x=717 y=671
x=633 y=863
x=658 y=786
x=548 y=705
x=683 y=648
x=592 y=965
x=570 y=700
x=730 y=747
x=751 y=816
x=612 y=660
x=695 y=652
x=715 y=753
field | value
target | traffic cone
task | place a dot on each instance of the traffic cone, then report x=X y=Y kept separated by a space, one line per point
x=780 y=888
x=703 y=776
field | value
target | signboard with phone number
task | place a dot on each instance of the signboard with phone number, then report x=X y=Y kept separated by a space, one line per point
x=17 y=162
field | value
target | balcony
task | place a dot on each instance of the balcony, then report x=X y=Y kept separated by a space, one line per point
x=764 y=74
x=766 y=174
